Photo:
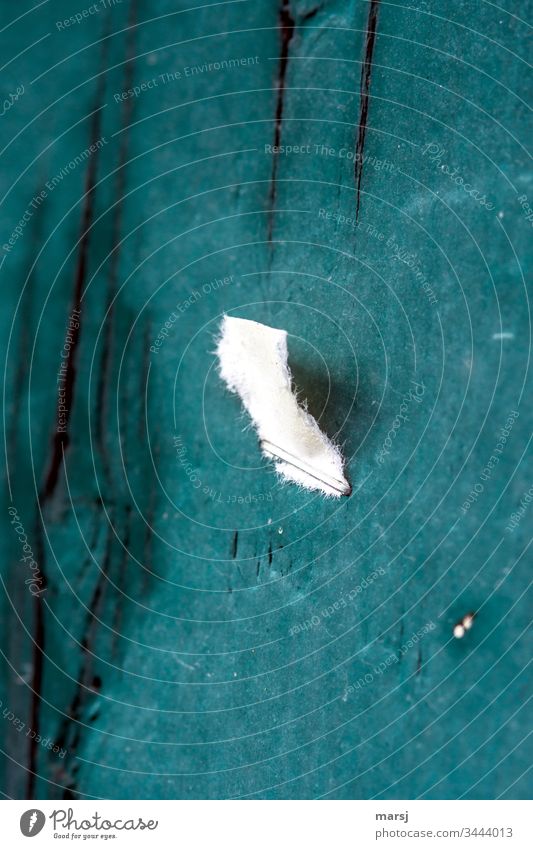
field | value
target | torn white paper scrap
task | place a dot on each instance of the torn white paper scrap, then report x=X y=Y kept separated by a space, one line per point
x=254 y=363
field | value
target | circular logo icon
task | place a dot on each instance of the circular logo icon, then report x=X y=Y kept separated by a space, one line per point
x=32 y=822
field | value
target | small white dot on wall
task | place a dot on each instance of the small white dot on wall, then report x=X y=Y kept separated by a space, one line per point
x=280 y=530
x=460 y=628
x=500 y=214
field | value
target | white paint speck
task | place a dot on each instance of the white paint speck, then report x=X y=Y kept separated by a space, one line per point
x=182 y=663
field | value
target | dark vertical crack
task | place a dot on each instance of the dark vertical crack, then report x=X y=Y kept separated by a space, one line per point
x=121 y=582
x=102 y=391
x=286 y=27
x=234 y=546
x=93 y=540
x=85 y=680
x=143 y=418
x=308 y=16
x=61 y=439
x=36 y=686
x=364 y=103
x=25 y=338
x=13 y=428
x=270 y=553
x=148 y=543
x=419 y=660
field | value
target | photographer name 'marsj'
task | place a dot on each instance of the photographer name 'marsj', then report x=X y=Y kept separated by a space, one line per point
x=64 y=819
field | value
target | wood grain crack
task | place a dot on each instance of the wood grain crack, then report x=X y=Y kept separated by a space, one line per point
x=286 y=28
x=364 y=102
x=68 y=739
x=61 y=438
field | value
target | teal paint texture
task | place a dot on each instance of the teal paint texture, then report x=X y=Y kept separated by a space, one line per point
x=355 y=173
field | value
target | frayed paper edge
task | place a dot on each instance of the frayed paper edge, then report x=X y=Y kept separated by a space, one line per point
x=253 y=363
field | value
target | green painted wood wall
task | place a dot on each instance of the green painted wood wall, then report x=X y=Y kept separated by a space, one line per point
x=194 y=629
